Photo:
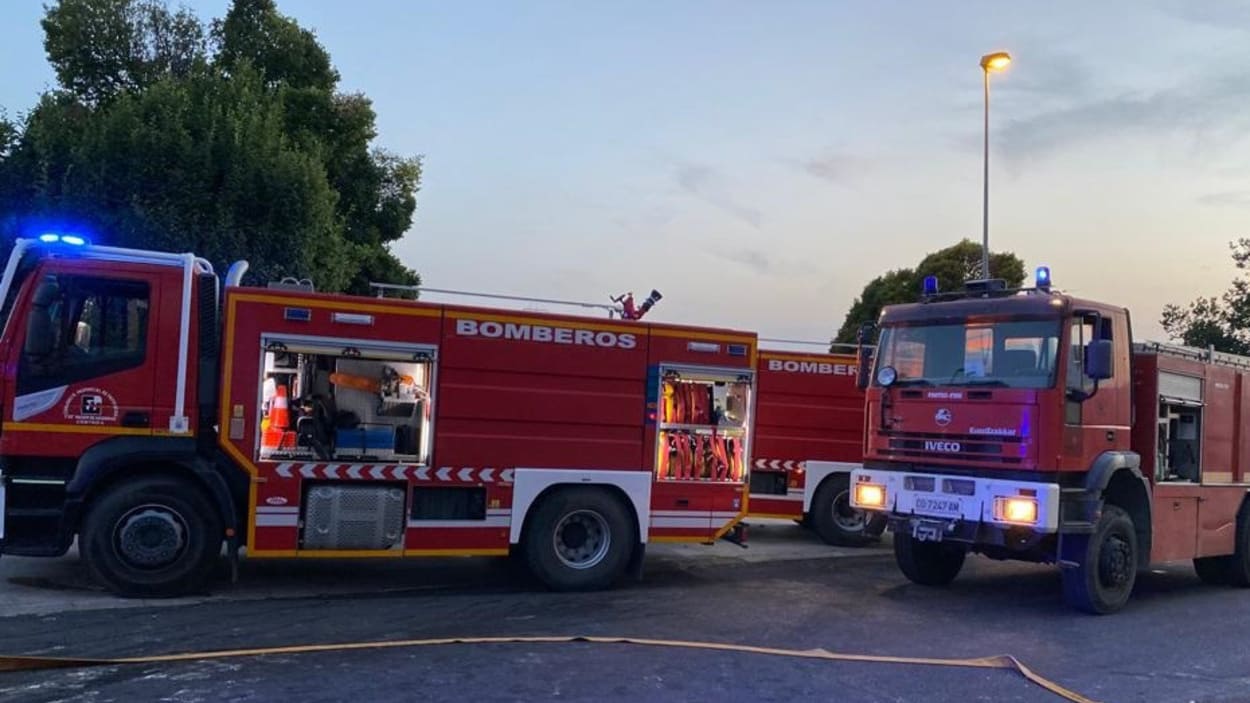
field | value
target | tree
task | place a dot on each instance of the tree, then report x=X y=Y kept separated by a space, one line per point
x=101 y=48
x=238 y=149
x=953 y=266
x=1222 y=322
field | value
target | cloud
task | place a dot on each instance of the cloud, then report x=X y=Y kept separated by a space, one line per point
x=645 y=218
x=753 y=259
x=830 y=166
x=1222 y=14
x=1230 y=198
x=1049 y=75
x=706 y=183
x=1213 y=111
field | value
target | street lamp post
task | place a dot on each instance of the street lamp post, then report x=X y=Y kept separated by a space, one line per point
x=994 y=62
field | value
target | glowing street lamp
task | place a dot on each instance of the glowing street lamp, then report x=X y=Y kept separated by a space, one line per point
x=990 y=63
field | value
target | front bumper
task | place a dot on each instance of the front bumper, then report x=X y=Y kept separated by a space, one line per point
x=955 y=499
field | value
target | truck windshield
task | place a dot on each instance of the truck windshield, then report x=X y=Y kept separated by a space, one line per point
x=1009 y=354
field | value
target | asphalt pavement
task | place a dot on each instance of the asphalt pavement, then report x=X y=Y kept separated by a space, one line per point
x=1179 y=640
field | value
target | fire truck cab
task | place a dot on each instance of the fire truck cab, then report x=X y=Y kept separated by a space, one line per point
x=1025 y=424
x=156 y=414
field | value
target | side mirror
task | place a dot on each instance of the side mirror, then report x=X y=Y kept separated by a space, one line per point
x=863 y=338
x=1100 y=359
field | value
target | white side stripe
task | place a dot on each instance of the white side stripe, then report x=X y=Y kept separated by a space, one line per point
x=490 y=521
x=694 y=522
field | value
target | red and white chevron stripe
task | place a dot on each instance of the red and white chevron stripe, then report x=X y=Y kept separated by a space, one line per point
x=395 y=472
x=780 y=464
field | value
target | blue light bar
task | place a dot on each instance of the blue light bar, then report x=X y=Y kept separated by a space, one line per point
x=1043 y=277
x=70 y=239
x=930 y=285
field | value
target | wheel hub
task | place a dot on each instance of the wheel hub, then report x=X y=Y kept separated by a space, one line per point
x=151 y=536
x=847 y=519
x=581 y=539
x=1114 y=567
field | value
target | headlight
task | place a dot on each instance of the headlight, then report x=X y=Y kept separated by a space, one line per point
x=1022 y=511
x=869 y=495
x=886 y=376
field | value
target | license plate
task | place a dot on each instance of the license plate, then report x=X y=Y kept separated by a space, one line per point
x=928 y=531
x=941 y=506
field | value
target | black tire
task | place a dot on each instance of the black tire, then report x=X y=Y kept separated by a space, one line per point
x=834 y=520
x=1103 y=580
x=928 y=563
x=579 y=539
x=151 y=537
x=1214 y=570
x=876 y=525
x=1239 y=562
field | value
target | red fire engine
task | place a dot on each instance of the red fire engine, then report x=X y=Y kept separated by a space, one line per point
x=155 y=414
x=1027 y=425
x=809 y=436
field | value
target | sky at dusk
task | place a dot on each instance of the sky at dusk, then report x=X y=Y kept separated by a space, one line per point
x=758 y=163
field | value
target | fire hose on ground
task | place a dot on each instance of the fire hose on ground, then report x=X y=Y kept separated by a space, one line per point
x=1007 y=662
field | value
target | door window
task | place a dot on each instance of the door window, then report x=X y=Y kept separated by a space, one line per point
x=80 y=327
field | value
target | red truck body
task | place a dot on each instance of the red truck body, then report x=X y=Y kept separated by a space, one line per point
x=1027 y=425
x=809 y=436
x=153 y=413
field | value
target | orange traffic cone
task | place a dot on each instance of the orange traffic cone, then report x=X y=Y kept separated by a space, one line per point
x=279 y=419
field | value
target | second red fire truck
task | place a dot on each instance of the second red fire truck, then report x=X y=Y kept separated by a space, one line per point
x=156 y=414
x=809 y=436
x=1027 y=425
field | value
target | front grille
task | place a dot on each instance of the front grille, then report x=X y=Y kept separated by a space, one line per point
x=979 y=448
x=928 y=446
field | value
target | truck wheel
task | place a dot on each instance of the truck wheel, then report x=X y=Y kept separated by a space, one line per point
x=1238 y=573
x=927 y=563
x=579 y=539
x=1214 y=570
x=151 y=537
x=1104 y=578
x=832 y=517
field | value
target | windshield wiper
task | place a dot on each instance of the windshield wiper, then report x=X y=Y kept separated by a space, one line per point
x=997 y=383
x=913 y=382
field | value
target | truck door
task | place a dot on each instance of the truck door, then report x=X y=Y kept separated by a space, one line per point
x=1099 y=423
x=82 y=361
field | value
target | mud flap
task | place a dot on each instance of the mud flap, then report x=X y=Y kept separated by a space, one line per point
x=635 y=566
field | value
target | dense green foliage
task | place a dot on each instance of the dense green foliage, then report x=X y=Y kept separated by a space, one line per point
x=952 y=266
x=230 y=140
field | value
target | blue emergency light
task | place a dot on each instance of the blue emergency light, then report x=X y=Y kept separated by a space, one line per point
x=70 y=239
x=1043 y=277
x=930 y=285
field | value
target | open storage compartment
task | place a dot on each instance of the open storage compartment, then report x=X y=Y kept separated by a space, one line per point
x=346 y=401
x=1179 y=433
x=704 y=416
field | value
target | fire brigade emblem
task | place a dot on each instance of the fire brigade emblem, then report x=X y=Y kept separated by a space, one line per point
x=942 y=417
x=91 y=406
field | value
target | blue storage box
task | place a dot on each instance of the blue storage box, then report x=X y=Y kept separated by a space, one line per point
x=365 y=439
